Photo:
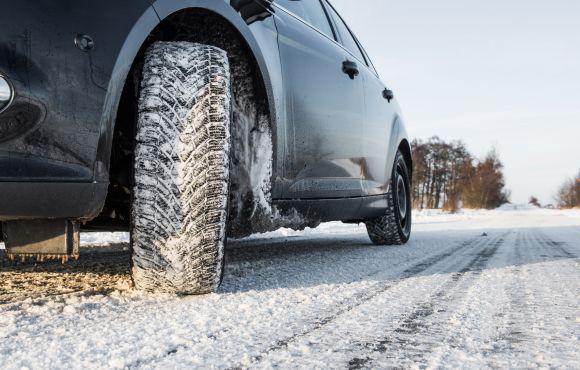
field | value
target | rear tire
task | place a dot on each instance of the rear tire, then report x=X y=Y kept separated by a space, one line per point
x=180 y=196
x=394 y=228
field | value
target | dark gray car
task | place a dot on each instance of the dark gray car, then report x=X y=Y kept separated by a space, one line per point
x=188 y=121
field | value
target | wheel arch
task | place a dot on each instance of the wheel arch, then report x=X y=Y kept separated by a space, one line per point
x=399 y=141
x=126 y=72
x=139 y=38
x=405 y=148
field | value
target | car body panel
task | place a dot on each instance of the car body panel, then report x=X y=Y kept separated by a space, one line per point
x=331 y=140
x=381 y=123
x=326 y=113
x=380 y=126
x=64 y=86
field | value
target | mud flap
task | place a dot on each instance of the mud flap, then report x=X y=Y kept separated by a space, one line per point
x=43 y=239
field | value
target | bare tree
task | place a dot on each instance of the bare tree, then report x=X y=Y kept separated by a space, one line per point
x=486 y=187
x=577 y=190
x=460 y=167
x=534 y=201
x=568 y=196
x=446 y=176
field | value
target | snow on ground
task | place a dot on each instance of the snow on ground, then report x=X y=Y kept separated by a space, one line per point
x=323 y=298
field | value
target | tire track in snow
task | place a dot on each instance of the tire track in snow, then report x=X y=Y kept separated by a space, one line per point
x=558 y=246
x=345 y=306
x=505 y=330
x=550 y=323
x=500 y=291
x=509 y=318
x=534 y=252
x=413 y=325
x=364 y=297
x=505 y=338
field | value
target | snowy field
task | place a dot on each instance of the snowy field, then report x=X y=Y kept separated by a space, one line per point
x=476 y=289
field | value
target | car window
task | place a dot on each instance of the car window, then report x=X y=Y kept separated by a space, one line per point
x=347 y=39
x=310 y=11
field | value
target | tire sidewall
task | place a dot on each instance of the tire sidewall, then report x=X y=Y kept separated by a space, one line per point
x=404 y=233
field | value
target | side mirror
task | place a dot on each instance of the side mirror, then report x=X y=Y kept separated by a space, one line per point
x=252 y=10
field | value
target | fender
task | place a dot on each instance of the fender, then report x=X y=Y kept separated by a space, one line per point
x=398 y=137
x=131 y=47
x=151 y=18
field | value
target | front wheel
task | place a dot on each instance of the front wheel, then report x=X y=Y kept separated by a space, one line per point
x=394 y=228
x=181 y=169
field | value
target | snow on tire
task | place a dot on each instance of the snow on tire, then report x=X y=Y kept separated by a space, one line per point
x=180 y=196
x=394 y=228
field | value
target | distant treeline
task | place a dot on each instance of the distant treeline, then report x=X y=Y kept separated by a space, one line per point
x=568 y=195
x=447 y=176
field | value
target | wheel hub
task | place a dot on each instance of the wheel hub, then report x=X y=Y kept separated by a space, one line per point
x=401 y=197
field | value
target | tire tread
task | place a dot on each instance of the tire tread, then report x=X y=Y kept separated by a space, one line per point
x=182 y=149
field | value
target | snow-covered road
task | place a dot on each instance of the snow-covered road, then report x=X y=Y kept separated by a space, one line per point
x=477 y=289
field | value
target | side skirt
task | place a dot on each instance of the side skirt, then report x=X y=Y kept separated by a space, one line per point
x=339 y=209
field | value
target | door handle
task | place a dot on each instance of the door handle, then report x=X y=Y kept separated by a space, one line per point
x=388 y=94
x=350 y=68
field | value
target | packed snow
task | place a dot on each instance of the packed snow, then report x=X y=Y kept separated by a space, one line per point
x=472 y=289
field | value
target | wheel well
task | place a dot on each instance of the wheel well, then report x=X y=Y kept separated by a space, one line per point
x=405 y=148
x=205 y=27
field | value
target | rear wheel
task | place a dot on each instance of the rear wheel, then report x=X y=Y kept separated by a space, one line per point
x=394 y=228
x=180 y=196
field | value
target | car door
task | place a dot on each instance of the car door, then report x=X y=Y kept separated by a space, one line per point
x=325 y=104
x=380 y=116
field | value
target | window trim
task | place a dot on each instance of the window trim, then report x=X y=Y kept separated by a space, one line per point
x=370 y=63
x=337 y=37
x=328 y=19
x=348 y=29
x=366 y=59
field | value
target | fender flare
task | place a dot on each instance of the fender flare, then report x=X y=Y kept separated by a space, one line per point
x=132 y=46
x=398 y=137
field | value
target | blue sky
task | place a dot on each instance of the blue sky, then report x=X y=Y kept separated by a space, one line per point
x=491 y=73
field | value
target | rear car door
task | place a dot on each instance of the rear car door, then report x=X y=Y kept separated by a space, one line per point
x=325 y=105
x=380 y=116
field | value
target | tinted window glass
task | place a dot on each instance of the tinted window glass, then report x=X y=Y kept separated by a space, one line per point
x=347 y=40
x=311 y=11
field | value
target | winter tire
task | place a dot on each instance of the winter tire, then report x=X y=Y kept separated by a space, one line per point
x=394 y=228
x=180 y=195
